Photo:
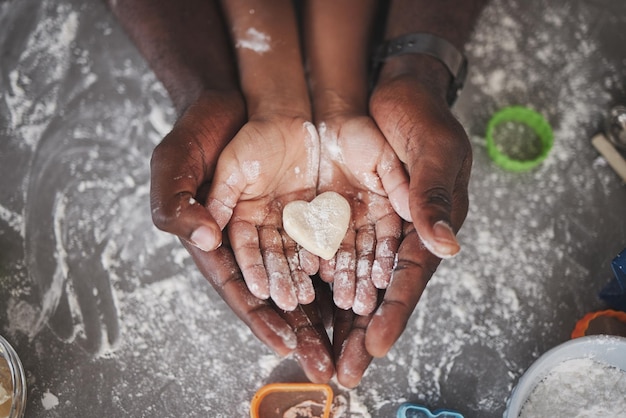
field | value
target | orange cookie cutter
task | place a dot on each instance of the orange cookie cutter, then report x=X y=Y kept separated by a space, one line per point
x=583 y=324
x=274 y=399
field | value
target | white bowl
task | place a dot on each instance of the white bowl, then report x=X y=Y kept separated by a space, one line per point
x=607 y=349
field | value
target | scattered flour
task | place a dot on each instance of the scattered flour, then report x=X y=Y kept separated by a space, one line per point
x=51 y=44
x=14 y=220
x=159 y=336
x=49 y=400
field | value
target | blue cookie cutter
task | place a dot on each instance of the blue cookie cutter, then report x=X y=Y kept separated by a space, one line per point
x=614 y=293
x=409 y=410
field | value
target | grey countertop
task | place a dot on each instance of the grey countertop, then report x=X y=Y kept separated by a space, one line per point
x=110 y=316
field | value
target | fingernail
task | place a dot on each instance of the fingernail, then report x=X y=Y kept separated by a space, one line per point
x=204 y=238
x=446 y=244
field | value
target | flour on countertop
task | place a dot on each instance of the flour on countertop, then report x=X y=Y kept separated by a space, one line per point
x=14 y=220
x=159 y=336
x=49 y=45
x=49 y=400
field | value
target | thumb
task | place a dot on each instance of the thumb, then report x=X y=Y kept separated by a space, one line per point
x=436 y=199
x=183 y=216
x=173 y=192
x=440 y=240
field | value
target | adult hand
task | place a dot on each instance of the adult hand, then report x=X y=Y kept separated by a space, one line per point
x=413 y=115
x=182 y=169
x=201 y=80
x=185 y=160
x=357 y=162
x=270 y=162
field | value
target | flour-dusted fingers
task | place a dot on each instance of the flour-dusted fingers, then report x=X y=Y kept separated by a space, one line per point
x=300 y=279
x=344 y=281
x=365 y=291
x=281 y=287
x=414 y=269
x=327 y=269
x=365 y=296
x=313 y=350
x=351 y=356
x=244 y=239
x=221 y=270
x=388 y=235
x=309 y=262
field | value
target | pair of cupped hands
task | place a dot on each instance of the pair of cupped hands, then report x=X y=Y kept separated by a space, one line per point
x=221 y=179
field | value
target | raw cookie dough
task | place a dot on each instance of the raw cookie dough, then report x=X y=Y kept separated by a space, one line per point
x=318 y=226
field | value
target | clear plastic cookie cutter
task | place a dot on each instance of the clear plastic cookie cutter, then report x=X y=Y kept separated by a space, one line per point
x=409 y=410
x=292 y=400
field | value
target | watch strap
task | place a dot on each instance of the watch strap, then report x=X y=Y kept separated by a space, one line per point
x=434 y=46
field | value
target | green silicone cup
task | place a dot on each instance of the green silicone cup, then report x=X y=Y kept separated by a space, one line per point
x=529 y=118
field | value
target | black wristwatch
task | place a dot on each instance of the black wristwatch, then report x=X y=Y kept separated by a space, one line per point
x=436 y=47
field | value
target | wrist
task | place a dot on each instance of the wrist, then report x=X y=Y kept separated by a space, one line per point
x=185 y=94
x=274 y=83
x=332 y=104
x=291 y=104
x=340 y=88
x=418 y=68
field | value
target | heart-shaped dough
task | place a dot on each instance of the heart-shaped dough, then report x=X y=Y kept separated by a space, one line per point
x=318 y=226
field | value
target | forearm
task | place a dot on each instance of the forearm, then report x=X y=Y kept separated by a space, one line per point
x=337 y=39
x=452 y=20
x=185 y=44
x=266 y=40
